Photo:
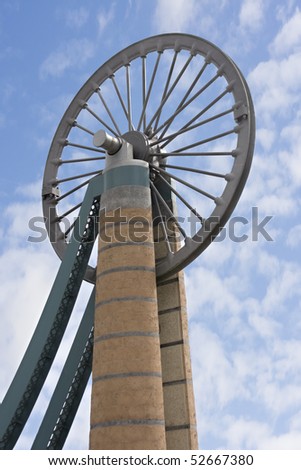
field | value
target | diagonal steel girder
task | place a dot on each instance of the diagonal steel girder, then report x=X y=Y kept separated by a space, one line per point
x=36 y=363
x=70 y=388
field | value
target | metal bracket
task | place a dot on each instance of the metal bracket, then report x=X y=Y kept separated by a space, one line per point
x=241 y=113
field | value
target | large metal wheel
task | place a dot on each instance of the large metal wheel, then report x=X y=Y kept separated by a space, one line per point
x=187 y=110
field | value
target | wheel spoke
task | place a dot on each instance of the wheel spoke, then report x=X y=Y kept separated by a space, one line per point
x=108 y=110
x=180 y=74
x=143 y=114
x=194 y=211
x=180 y=106
x=205 y=141
x=61 y=217
x=119 y=96
x=194 y=154
x=158 y=111
x=164 y=203
x=166 y=238
x=185 y=128
x=193 y=83
x=171 y=69
x=194 y=170
x=170 y=120
x=84 y=147
x=143 y=62
x=79 y=126
x=100 y=120
x=73 y=190
x=83 y=175
x=189 y=126
x=209 y=106
x=128 y=93
x=82 y=160
x=69 y=229
x=189 y=185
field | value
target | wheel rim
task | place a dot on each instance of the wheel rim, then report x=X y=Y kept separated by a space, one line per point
x=187 y=110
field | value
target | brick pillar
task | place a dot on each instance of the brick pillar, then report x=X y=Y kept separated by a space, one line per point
x=127 y=410
x=179 y=405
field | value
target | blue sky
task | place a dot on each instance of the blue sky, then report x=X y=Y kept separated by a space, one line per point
x=244 y=299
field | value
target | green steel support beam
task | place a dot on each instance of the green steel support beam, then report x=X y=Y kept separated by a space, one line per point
x=36 y=363
x=72 y=383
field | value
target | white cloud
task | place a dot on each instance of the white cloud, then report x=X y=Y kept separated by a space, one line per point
x=287 y=441
x=243 y=433
x=276 y=85
x=285 y=9
x=243 y=347
x=291 y=153
x=295 y=422
x=26 y=273
x=266 y=189
x=73 y=54
x=219 y=304
x=288 y=38
x=251 y=14
x=252 y=368
x=279 y=399
x=216 y=380
x=263 y=326
x=265 y=137
x=77 y=18
x=278 y=203
x=294 y=236
x=104 y=18
x=183 y=16
x=175 y=14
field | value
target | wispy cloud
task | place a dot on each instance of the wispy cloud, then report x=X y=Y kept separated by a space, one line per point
x=244 y=352
x=276 y=81
x=174 y=14
x=72 y=54
x=288 y=38
x=105 y=17
x=183 y=16
x=77 y=18
x=294 y=236
x=251 y=14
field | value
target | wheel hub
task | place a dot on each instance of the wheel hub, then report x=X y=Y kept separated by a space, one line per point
x=142 y=150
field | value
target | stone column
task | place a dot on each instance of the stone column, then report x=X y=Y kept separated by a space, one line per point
x=179 y=405
x=127 y=410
